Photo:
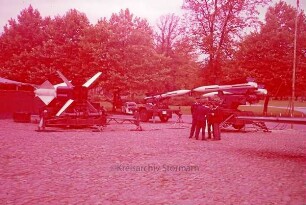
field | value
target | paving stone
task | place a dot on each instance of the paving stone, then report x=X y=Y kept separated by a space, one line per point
x=118 y=166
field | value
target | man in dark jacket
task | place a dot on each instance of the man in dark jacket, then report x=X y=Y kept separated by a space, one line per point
x=209 y=124
x=216 y=120
x=194 y=107
x=209 y=119
x=202 y=112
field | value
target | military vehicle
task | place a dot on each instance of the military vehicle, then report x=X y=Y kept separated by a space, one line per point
x=157 y=106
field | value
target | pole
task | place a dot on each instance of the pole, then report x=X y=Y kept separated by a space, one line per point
x=294 y=60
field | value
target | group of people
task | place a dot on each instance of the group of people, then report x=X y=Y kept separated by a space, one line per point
x=204 y=113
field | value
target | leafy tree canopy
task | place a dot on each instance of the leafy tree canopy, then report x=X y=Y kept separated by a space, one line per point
x=267 y=55
x=123 y=47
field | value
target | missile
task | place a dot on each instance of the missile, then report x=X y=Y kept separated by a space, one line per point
x=261 y=91
x=175 y=93
x=216 y=88
x=169 y=94
x=211 y=94
x=47 y=92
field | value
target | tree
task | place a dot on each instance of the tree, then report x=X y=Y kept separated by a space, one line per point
x=65 y=35
x=267 y=55
x=94 y=49
x=122 y=47
x=32 y=47
x=18 y=41
x=216 y=26
x=185 y=70
x=132 y=59
x=167 y=34
x=173 y=42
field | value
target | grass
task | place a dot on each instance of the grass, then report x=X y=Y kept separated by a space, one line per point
x=107 y=105
x=272 y=111
x=281 y=110
x=282 y=103
x=275 y=108
x=184 y=109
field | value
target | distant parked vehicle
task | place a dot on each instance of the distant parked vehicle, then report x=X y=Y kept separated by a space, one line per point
x=157 y=106
x=129 y=107
x=148 y=110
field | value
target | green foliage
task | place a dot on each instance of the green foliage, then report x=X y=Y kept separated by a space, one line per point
x=122 y=47
x=267 y=55
x=216 y=26
x=137 y=60
x=173 y=41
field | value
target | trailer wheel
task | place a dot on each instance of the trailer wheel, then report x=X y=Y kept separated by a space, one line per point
x=238 y=126
x=164 y=118
x=144 y=117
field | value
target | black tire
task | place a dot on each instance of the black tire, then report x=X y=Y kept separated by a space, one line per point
x=144 y=117
x=238 y=126
x=164 y=118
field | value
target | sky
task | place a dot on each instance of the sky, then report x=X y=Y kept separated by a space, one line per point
x=96 y=9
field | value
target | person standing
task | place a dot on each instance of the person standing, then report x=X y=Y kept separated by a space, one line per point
x=43 y=118
x=155 y=112
x=202 y=112
x=137 y=120
x=265 y=110
x=216 y=120
x=209 y=119
x=194 y=107
x=209 y=124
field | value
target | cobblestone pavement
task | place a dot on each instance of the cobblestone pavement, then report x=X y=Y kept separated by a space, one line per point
x=159 y=165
